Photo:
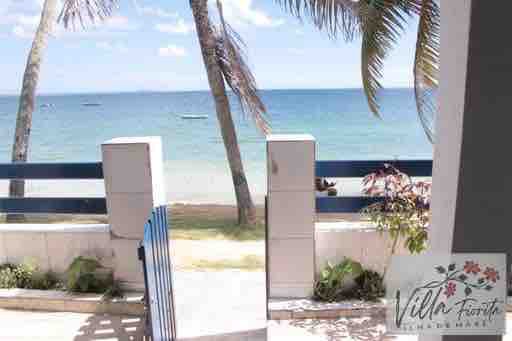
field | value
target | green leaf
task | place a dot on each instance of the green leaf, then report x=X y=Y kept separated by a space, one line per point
x=426 y=65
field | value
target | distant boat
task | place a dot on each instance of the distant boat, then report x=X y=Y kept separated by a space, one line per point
x=91 y=104
x=194 y=117
x=47 y=105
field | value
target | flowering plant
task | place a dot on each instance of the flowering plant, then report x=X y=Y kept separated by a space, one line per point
x=404 y=210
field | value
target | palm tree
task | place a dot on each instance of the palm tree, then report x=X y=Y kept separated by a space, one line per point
x=224 y=60
x=27 y=98
x=380 y=23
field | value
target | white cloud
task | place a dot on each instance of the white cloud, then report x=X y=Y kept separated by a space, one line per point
x=112 y=47
x=154 y=11
x=243 y=12
x=179 y=26
x=172 y=51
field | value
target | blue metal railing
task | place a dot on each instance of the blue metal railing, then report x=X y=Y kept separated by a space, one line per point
x=155 y=255
x=358 y=169
x=39 y=171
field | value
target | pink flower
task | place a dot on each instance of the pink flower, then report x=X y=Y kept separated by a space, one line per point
x=450 y=289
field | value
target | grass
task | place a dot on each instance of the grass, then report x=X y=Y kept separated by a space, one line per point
x=247 y=263
x=190 y=222
x=212 y=222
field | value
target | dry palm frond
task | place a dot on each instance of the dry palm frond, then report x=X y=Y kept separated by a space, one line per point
x=335 y=16
x=232 y=61
x=73 y=10
x=381 y=24
x=426 y=65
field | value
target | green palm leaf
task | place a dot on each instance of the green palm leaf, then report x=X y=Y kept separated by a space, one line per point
x=335 y=16
x=76 y=10
x=232 y=61
x=382 y=22
x=426 y=65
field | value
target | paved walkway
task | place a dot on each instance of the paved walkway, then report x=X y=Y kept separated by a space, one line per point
x=219 y=306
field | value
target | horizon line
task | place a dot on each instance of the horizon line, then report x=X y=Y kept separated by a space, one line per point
x=198 y=90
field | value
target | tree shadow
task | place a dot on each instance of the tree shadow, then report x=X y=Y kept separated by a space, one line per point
x=102 y=326
x=357 y=329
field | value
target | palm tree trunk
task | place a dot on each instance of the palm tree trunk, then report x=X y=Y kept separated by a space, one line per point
x=246 y=210
x=27 y=97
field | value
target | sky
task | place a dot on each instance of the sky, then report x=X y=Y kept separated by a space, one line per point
x=151 y=45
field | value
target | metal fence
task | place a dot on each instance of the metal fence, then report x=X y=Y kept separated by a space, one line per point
x=52 y=171
x=358 y=169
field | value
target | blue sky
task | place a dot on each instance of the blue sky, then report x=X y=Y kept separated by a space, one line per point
x=151 y=45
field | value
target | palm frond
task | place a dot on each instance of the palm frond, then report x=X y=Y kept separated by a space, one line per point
x=77 y=10
x=382 y=22
x=335 y=16
x=232 y=61
x=426 y=65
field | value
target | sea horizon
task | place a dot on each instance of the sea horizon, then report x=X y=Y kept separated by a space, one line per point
x=50 y=94
x=195 y=161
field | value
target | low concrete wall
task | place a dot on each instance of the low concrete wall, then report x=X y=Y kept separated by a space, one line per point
x=359 y=241
x=54 y=246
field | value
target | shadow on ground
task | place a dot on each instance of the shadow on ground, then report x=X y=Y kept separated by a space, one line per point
x=357 y=329
x=99 y=327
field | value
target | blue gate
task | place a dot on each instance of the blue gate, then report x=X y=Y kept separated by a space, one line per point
x=155 y=256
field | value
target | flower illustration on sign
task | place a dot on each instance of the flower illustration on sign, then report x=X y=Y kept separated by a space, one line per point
x=450 y=289
x=491 y=275
x=453 y=275
x=471 y=268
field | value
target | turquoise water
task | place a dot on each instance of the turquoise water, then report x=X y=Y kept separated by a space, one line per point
x=193 y=150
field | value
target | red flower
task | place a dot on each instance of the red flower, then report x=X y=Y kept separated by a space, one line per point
x=471 y=267
x=450 y=289
x=491 y=274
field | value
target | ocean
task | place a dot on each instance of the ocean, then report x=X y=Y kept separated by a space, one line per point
x=195 y=161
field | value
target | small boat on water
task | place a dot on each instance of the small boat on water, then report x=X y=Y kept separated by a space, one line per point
x=91 y=104
x=47 y=105
x=194 y=117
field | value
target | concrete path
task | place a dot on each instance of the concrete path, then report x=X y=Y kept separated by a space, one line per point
x=219 y=306
x=18 y=325
x=219 y=302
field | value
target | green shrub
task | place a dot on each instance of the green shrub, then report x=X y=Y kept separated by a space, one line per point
x=86 y=275
x=45 y=281
x=7 y=276
x=115 y=290
x=24 y=273
x=81 y=275
x=348 y=280
x=370 y=286
x=334 y=280
x=27 y=276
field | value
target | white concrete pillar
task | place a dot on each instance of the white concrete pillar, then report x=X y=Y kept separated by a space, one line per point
x=134 y=184
x=471 y=178
x=291 y=213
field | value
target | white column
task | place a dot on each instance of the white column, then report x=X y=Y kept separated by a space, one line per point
x=291 y=212
x=472 y=181
x=134 y=184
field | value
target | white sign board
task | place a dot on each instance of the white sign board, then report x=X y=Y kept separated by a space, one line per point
x=456 y=294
